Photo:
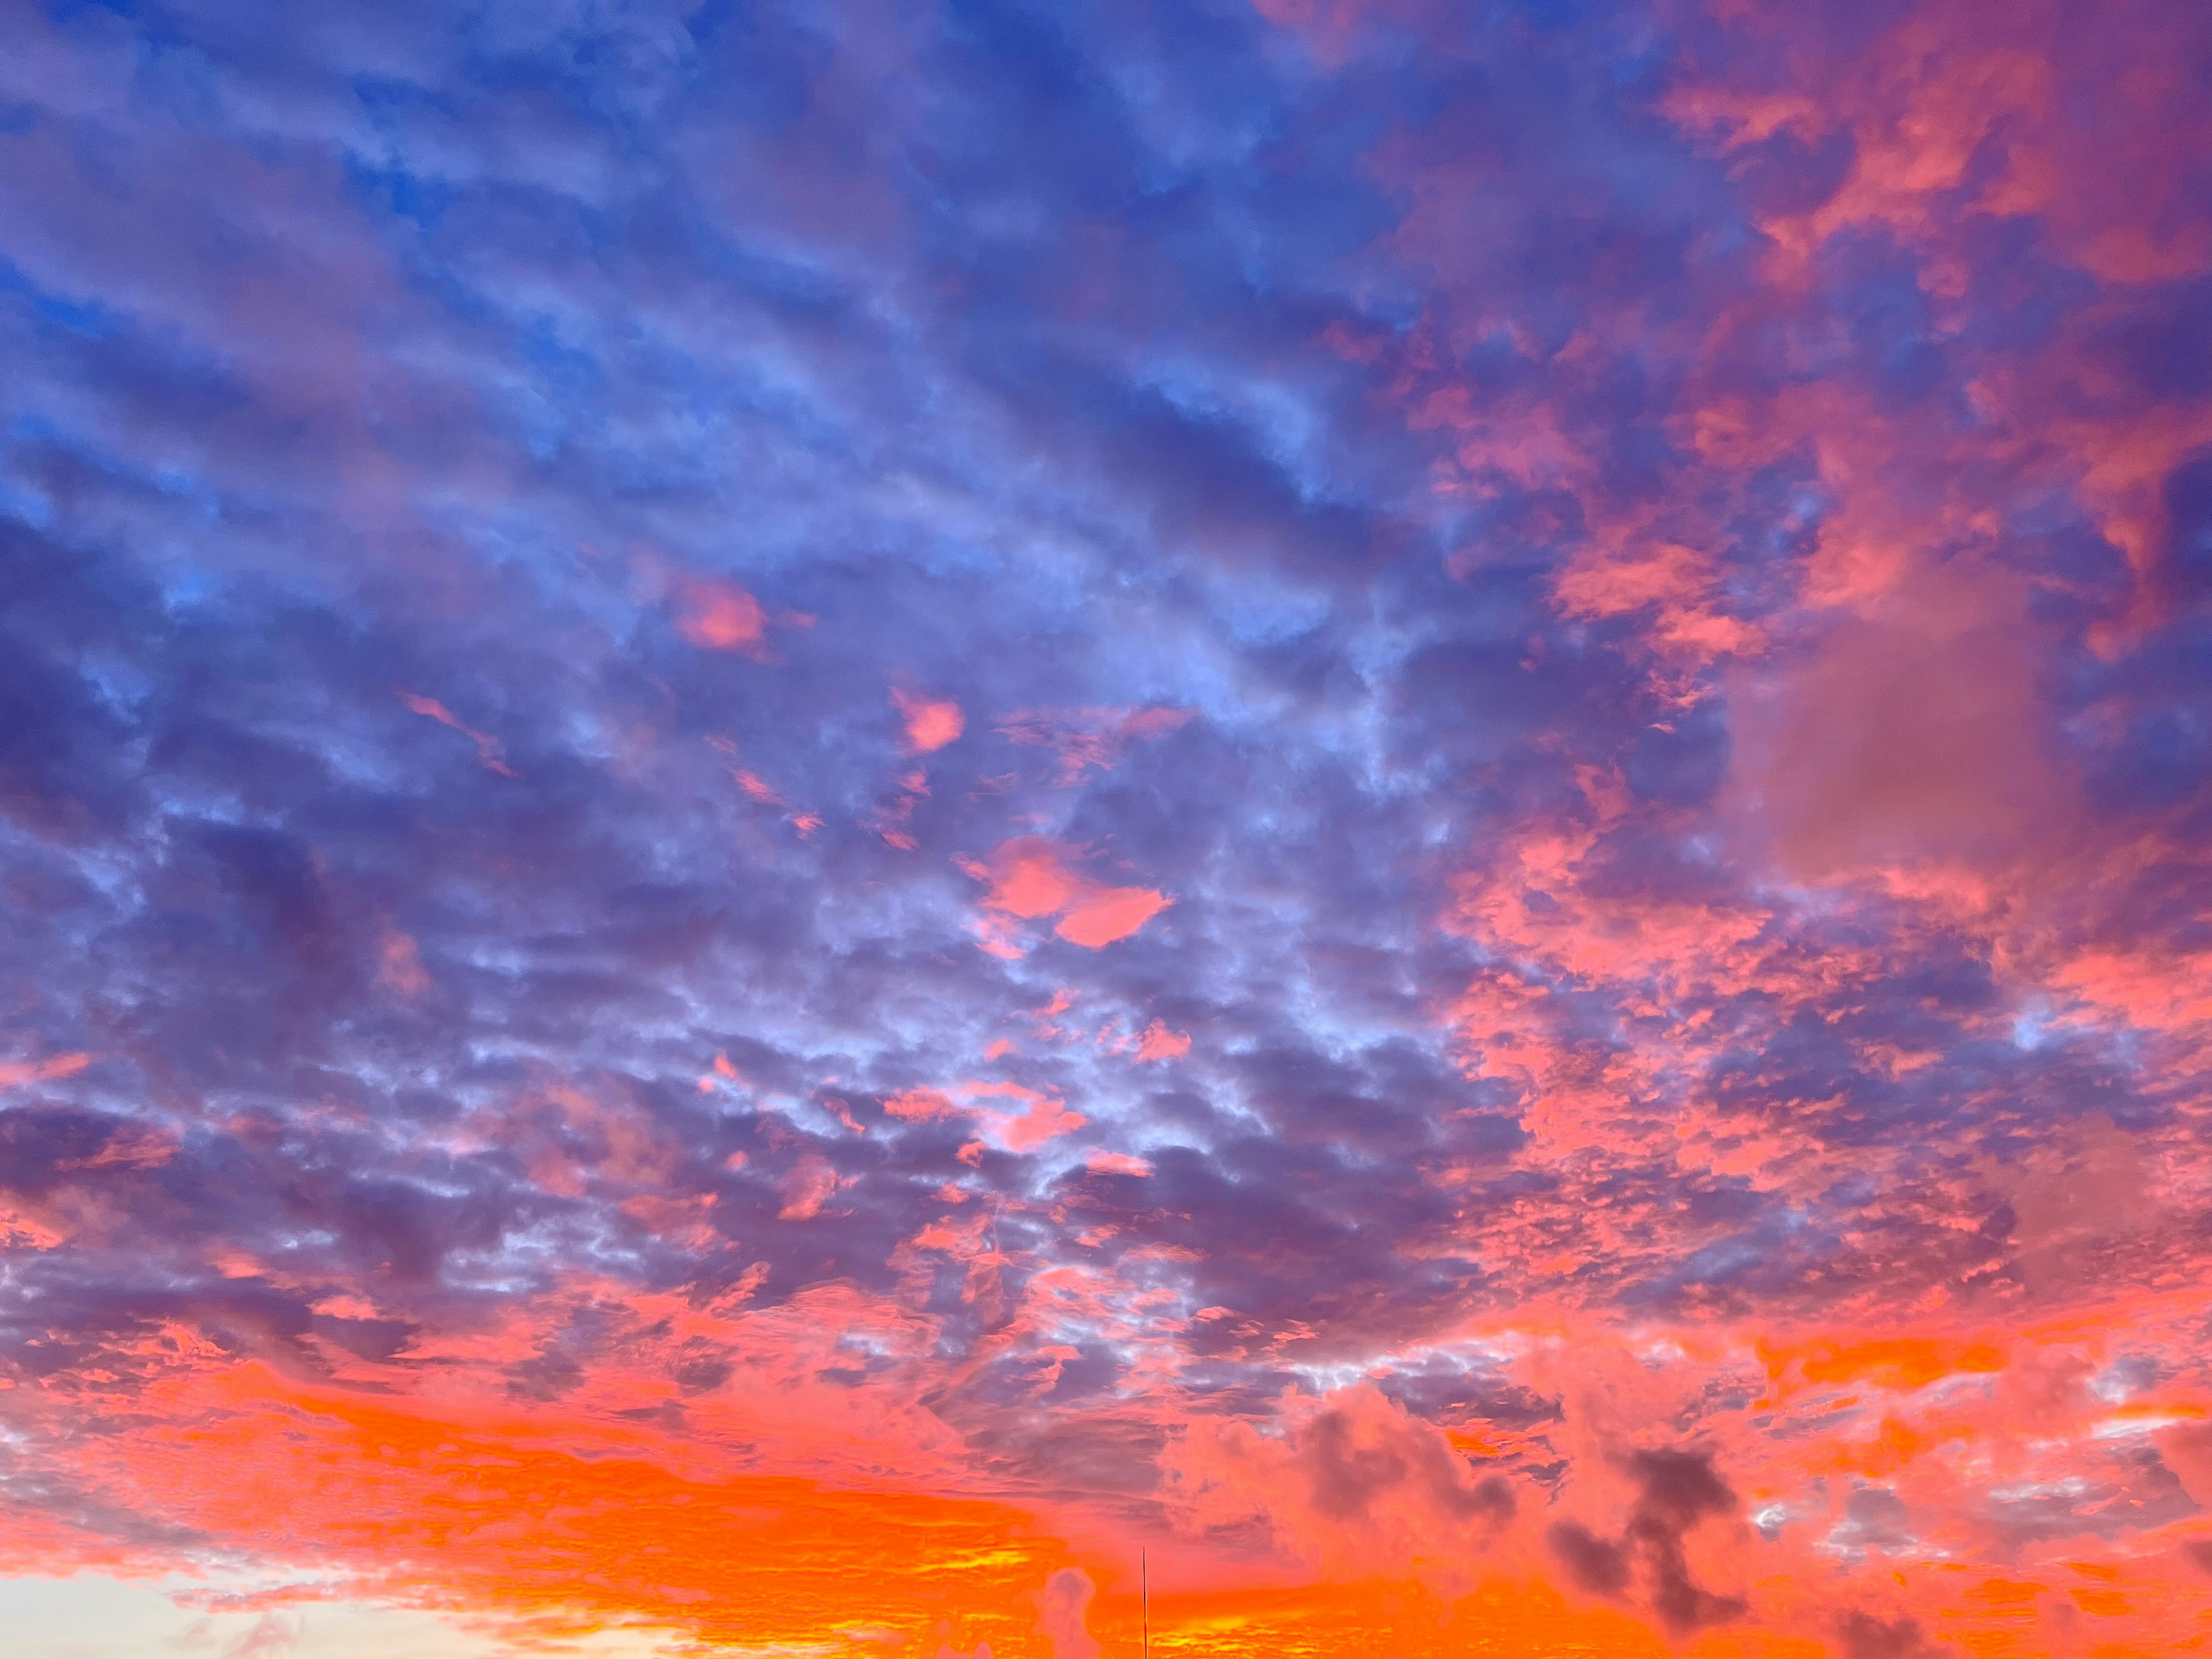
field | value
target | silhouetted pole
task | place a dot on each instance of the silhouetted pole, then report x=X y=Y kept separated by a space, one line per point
x=1145 y=1596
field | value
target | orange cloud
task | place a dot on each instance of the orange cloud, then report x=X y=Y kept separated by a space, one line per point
x=540 y=1525
x=543 y=1534
x=1896 y=1362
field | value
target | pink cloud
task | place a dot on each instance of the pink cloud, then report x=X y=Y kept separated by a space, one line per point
x=806 y=1186
x=1087 y=737
x=15 y=1074
x=1110 y=913
x=1062 y=1607
x=1160 y=1043
x=1038 y=1116
x=1116 y=1163
x=1043 y=1117
x=717 y=615
x=399 y=965
x=1027 y=878
x=931 y=723
x=894 y=820
x=487 y=749
x=922 y=1105
x=1030 y=879
x=1345 y=1483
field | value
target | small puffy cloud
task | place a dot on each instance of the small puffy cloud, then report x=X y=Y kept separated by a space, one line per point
x=1104 y=915
x=1157 y=1042
x=715 y=614
x=1030 y=878
x=399 y=965
x=931 y=722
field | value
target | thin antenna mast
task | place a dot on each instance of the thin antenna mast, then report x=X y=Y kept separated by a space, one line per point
x=1145 y=1596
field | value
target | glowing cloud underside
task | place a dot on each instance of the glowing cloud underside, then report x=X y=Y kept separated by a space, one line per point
x=814 y=816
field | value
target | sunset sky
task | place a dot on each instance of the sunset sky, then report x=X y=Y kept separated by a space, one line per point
x=819 y=820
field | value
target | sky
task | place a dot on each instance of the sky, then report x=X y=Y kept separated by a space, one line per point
x=1365 y=827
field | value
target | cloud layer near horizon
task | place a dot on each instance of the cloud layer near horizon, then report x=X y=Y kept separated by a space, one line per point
x=813 y=814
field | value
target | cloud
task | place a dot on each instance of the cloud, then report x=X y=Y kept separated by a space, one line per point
x=487 y=750
x=1676 y=1491
x=1157 y=1042
x=1062 y=1606
x=716 y=615
x=270 y=1633
x=1030 y=879
x=1559 y=663
x=1042 y=1117
x=399 y=965
x=1088 y=739
x=809 y=1184
x=14 y=1074
x=1866 y=1635
x=1105 y=914
x=1350 y=1481
x=1117 y=1163
x=930 y=724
